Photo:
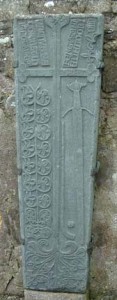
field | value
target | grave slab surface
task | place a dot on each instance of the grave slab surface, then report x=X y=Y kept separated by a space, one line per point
x=58 y=61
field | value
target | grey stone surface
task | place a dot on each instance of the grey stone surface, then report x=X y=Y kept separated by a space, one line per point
x=74 y=6
x=10 y=254
x=34 y=295
x=114 y=6
x=57 y=89
x=8 y=9
x=110 y=69
x=103 y=271
x=7 y=297
x=104 y=274
x=99 y=5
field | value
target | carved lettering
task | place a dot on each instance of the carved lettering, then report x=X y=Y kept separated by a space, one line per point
x=74 y=43
x=90 y=38
x=32 y=40
x=41 y=37
x=24 y=41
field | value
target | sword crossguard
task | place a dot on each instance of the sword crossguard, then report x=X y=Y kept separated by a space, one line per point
x=76 y=86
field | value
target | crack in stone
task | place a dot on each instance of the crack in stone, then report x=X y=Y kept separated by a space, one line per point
x=8 y=283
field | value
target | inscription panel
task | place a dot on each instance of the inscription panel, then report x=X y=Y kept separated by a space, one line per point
x=57 y=93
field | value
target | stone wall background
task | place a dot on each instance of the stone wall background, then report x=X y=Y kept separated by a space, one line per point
x=103 y=267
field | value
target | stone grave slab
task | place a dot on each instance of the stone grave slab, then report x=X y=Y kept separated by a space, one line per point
x=58 y=60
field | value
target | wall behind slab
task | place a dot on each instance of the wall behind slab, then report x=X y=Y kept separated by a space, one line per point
x=103 y=267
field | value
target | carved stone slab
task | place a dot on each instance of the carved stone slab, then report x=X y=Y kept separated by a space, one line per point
x=58 y=61
x=34 y=295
